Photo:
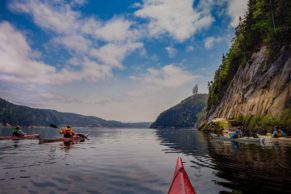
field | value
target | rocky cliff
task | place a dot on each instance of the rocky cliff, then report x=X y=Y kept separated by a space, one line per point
x=183 y=115
x=253 y=82
x=260 y=92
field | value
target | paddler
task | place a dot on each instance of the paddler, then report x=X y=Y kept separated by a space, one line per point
x=237 y=134
x=68 y=132
x=17 y=132
x=278 y=132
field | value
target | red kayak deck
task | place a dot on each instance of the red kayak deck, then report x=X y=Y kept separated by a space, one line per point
x=31 y=136
x=181 y=183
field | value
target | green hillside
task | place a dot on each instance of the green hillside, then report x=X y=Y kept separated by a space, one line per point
x=183 y=115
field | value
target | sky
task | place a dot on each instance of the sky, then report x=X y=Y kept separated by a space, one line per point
x=120 y=60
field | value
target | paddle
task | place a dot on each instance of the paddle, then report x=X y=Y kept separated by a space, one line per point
x=53 y=126
x=85 y=136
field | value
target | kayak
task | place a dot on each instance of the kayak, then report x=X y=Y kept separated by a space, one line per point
x=181 y=183
x=240 y=140
x=27 y=136
x=271 y=139
x=73 y=139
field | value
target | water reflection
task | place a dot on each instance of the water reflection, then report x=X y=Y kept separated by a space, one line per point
x=237 y=167
x=141 y=161
x=186 y=141
x=252 y=168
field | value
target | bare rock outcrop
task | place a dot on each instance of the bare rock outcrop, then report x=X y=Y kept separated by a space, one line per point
x=259 y=88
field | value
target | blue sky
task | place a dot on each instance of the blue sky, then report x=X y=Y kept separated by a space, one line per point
x=117 y=59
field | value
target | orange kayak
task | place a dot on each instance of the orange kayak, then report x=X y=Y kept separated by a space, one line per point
x=181 y=183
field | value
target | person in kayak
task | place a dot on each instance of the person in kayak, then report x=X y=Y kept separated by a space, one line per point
x=17 y=132
x=67 y=132
x=237 y=134
x=278 y=132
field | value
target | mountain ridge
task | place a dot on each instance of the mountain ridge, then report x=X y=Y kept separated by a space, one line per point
x=27 y=116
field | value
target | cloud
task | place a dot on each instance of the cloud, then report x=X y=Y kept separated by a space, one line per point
x=236 y=9
x=75 y=43
x=210 y=41
x=116 y=29
x=93 y=71
x=54 y=17
x=80 y=36
x=136 y=5
x=179 y=20
x=207 y=5
x=171 y=51
x=114 y=54
x=16 y=64
x=167 y=77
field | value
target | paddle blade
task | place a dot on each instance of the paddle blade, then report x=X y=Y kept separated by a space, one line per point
x=53 y=125
x=83 y=136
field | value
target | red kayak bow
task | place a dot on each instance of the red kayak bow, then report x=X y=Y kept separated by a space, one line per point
x=181 y=183
x=31 y=136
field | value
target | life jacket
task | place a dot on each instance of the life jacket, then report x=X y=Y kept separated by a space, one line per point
x=67 y=131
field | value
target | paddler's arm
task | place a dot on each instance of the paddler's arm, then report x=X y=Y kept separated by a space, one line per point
x=21 y=132
x=61 y=131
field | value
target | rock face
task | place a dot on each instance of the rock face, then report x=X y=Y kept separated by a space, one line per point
x=259 y=91
x=183 y=115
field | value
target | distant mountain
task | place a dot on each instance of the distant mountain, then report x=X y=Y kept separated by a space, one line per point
x=26 y=116
x=183 y=115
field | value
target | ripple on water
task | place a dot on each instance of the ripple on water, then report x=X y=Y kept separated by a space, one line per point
x=62 y=180
x=43 y=184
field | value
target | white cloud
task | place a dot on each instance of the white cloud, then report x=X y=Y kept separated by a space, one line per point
x=207 y=5
x=114 y=54
x=117 y=29
x=114 y=30
x=136 y=5
x=81 y=37
x=73 y=42
x=171 y=51
x=236 y=9
x=16 y=64
x=93 y=71
x=210 y=41
x=179 y=20
x=19 y=67
x=59 y=18
x=167 y=77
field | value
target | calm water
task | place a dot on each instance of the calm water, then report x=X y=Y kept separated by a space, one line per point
x=141 y=161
